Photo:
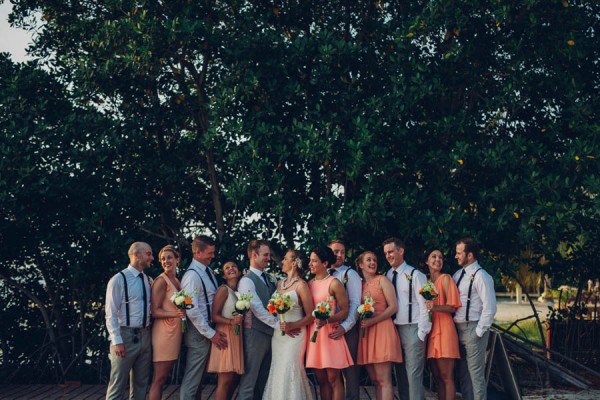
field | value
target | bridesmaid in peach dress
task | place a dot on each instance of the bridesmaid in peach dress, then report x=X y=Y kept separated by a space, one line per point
x=442 y=348
x=166 y=331
x=381 y=345
x=327 y=356
x=228 y=362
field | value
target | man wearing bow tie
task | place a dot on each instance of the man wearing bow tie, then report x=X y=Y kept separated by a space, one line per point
x=200 y=282
x=128 y=323
x=473 y=319
x=259 y=324
x=412 y=320
x=348 y=328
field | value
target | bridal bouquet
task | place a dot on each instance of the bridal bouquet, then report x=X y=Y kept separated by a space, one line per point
x=322 y=311
x=365 y=311
x=242 y=306
x=279 y=304
x=183 y=301
x=429 y=292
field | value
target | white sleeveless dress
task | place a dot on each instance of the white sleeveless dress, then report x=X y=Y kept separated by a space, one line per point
x=287 y=377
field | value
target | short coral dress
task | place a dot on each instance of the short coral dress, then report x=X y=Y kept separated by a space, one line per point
x=325 y=352
x=381 y=342
x=166 y=332
x=443 y=339
x=231 y=358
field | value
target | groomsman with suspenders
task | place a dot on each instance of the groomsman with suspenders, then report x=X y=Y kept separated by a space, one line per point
x=259 y=324
x=412 y=320
x=473 y=319
x=200 y=282
x=348 y=328
x=128 y=324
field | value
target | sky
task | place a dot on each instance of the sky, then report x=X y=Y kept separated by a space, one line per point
x=12 y=40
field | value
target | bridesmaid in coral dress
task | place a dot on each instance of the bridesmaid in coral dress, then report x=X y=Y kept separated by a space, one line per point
x=327 y=356
x=227 y=362
x=442 y=348
x=166 y=331
x=380 y=347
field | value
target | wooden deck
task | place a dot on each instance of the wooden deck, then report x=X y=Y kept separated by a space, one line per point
x=76 y=391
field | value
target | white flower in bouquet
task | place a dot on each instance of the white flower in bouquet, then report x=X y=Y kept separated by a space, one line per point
x=179 y=300
x=183 y=301
x=242 y=305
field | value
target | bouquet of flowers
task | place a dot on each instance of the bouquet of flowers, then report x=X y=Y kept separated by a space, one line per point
x=242 y=305
x=279 y=304
x=322 y=311
x=429 y=292
x=183 y=301
x=365 y=311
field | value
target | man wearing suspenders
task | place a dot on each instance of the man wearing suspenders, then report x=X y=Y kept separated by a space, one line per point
x=128 y=324
x=412 y=320
x=200 y=282
x=348 y=328
x=473 y=319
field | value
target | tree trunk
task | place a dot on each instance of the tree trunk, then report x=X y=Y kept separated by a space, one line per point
x=215 y=193
x=535 y=314
x=43 y=311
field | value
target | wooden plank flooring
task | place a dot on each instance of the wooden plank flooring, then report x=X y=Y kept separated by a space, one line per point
x=75 y=391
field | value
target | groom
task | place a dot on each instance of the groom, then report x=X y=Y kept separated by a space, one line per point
x=259 y=324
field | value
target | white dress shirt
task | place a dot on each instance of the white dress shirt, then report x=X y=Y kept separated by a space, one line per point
x=419 y=310
x=192 y=285
x=354 y=292
x=115 y=312
x=483 y=298
x=256 y=306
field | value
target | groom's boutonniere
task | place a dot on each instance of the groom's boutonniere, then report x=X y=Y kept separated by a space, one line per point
x=472 y=277
x=408 y=277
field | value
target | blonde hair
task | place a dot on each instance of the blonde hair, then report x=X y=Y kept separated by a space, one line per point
x=170 y=248
x=362 y=255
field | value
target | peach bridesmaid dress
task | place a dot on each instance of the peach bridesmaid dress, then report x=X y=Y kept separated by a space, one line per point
x=166 y=332
x=325 y=352
x=231 y=358
x=443 y=339
x=381 y=342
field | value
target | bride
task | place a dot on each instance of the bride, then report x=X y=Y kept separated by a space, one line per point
x=287 y=377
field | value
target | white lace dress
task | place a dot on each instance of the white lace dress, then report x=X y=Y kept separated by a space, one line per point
x=287 y=377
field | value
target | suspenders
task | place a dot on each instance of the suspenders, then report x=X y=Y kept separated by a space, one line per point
x=127 y=319
x=470 y=290
x=209 y=317
x=410 y=296
x=126 y=298
x=345 y=278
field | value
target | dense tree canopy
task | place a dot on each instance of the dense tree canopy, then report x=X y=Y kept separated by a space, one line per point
x=296 y=122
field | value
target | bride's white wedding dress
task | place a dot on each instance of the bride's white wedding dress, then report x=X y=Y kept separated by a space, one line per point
x=287 y=377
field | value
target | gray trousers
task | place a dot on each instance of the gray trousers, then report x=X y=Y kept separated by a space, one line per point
x=471 y=366
x=352 y=373
x=198 y=350
x=409 y=374
x=257 y=363
x=134 y=368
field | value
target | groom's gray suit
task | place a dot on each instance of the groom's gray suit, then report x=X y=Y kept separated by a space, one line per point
x=257 y=337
